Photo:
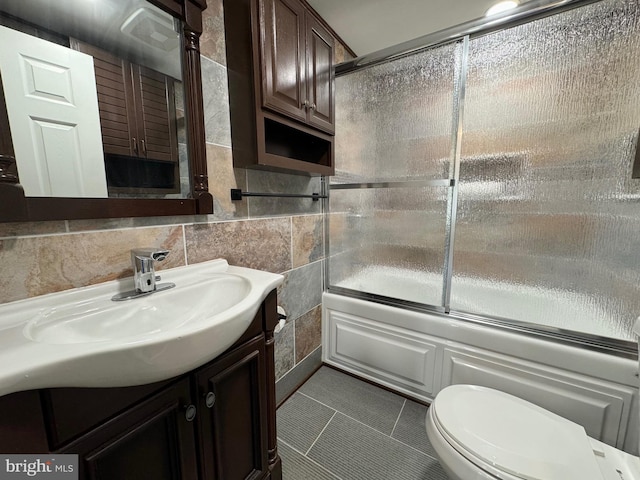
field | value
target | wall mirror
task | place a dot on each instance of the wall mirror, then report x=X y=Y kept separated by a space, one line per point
x=101 y=109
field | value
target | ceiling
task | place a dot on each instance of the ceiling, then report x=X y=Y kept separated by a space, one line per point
x=369 y=25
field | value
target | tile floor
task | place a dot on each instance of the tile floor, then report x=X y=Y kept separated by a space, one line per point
x=336 y=427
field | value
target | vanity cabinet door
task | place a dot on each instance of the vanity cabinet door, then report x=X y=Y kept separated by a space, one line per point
x=22 y=428
x=233 y=417
x=153 y=440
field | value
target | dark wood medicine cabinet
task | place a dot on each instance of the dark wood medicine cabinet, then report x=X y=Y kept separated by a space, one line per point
x=278 y=124
x=138 y=122
x=15 y=206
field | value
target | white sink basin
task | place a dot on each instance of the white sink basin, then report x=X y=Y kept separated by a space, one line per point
x=99 y=320
x=82 y=338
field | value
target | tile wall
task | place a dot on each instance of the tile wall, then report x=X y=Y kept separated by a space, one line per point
x=278 y=235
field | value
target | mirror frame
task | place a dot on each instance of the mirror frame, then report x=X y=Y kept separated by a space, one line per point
x=15 y=207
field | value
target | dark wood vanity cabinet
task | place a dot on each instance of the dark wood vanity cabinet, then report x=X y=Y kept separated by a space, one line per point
x=233 y=420
x=214 y=423
x=153 y=439
x=297 y=54
x=281 y=86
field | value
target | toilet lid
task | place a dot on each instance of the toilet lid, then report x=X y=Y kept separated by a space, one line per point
x=514 y=436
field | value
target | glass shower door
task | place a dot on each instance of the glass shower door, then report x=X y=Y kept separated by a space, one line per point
x=389 y=198
x=548 y=224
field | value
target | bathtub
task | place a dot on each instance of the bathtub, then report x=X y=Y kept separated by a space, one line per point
x=571 y=311
x=418 y=353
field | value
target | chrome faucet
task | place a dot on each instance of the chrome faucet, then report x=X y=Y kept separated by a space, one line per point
x=144 y=274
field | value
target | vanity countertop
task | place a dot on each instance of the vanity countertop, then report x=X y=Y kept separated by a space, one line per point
x=81 y=338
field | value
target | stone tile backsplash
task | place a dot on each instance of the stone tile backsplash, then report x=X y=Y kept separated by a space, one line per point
x=215 y=99
x=285 y=358
x=212 y=42
x=307 y=239
x=263 y=244
x=301 y=290
x=36 y=265
x=308 y=332
x=220 y=163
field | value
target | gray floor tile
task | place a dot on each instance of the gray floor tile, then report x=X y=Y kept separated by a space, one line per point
x=411 y=428
x=298 y=467
x=354 y=451
x=366 y=403
x=300 y=420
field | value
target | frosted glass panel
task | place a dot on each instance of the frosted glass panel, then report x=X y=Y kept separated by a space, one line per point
x=548 y=225
x=394 y=121
x=389 y=242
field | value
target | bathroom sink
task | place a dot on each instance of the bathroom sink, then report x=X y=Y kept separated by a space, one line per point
x=81 y=338
x=99 y=319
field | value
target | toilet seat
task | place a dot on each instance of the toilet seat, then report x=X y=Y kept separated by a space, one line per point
x=511 y=438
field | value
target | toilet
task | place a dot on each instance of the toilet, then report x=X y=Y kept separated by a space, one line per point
x=482 y=433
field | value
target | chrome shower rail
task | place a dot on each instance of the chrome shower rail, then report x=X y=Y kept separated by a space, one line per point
x=524 y=13
x=444 y=182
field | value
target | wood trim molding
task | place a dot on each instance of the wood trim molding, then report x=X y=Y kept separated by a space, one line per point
x=17 y=207
x=195 y=112
x=270 y=320
x=201 y=4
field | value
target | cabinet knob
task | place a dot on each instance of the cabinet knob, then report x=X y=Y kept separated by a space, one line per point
x=210 y=399
x=190 y=412
x=135 y=145
x=312 y=106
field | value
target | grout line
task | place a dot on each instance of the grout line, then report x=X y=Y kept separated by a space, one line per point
x=309 y=458
x=294 y=341
x=368 y=426
x=332 y=408
x=398 y=419
x=325 y=427
x=222 y=145
x=291 y=241
x=184 y=245
x=323 y=404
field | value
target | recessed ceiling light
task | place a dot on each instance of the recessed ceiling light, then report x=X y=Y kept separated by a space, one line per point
x=502 y=7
